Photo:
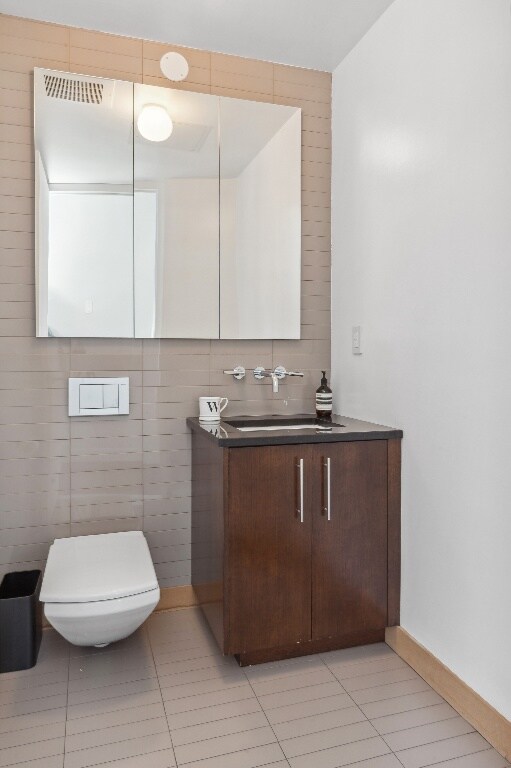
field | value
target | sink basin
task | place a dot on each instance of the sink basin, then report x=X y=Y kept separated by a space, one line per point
x=282 y=424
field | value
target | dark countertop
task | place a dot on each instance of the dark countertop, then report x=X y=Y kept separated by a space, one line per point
x=227 y=436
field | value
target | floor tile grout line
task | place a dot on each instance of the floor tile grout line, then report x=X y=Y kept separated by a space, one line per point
x=114 y=742
x=298 y=688
x=330 y=728
x=420 y=725
x=148 y=636
x=108 y=727
x=449 y=759
x=449 y=738
x=279 y=665
x=127 y=670
x=480 y=751
x=325 y=698
x=354 y=704
x=397 y=758
x=399 y=696
x=241 y=683
x=194 y=695
x=382 y=685
x=376 y=659
x=211 y=738
x=266 y=716
x=110 y=698
x=213 y=670
x=400 y=668
x=425 y=725
x=122 y=709
x=67 y=704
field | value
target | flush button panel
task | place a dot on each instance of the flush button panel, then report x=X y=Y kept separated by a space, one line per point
x=99 y=397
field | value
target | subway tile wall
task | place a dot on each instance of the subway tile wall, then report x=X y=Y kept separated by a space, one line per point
x=61 y=476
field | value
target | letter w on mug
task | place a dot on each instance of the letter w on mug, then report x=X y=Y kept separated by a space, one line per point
x=210 y=409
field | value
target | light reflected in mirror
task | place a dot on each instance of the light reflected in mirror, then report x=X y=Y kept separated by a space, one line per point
x=176 y=216
x=84 y=205
x=260 y=220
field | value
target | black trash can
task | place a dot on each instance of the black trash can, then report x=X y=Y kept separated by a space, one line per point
x=20 y=620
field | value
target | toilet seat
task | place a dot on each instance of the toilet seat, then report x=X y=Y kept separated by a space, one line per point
x=86 y=569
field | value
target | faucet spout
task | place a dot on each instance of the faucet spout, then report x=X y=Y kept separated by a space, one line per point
x=275 y=380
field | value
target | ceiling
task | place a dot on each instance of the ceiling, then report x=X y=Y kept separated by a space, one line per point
x=306 y=33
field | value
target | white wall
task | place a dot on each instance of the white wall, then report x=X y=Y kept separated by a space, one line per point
x=145 y=246
x=422 y=260
x=90 y=262
x=188 y=265
x=267 y=233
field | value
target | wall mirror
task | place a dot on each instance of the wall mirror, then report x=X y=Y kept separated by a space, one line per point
x=162 y=213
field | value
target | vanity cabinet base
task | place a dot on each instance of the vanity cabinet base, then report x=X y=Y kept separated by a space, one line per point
x=313 y=646
x=296 y=547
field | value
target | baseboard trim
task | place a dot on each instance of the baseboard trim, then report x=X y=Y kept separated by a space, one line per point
x=176 y=597
x=491 y=724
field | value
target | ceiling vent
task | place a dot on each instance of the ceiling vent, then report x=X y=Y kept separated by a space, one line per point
x=82 y=91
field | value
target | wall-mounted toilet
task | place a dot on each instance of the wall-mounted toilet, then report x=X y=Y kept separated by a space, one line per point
x=99 y=589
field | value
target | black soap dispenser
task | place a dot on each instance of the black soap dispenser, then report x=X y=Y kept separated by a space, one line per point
x=324 y=400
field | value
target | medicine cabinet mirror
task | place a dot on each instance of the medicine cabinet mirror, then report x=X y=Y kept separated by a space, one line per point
x=162 y=213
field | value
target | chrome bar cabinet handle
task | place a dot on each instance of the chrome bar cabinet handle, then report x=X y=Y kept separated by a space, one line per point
x=299 y=466
x=327 y=508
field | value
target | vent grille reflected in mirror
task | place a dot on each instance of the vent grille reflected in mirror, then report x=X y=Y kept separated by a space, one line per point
x=83 y=91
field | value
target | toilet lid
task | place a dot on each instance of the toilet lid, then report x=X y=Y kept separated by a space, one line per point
x=84 y=569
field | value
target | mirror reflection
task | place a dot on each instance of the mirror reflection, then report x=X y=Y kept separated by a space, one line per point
x=260 y=230
x=162 y=213
x=176 y=213
x=84 y=205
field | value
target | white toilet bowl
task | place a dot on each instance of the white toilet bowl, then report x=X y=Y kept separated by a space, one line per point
x=99 y=589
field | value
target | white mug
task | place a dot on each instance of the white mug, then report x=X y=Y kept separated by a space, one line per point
x=210 y=408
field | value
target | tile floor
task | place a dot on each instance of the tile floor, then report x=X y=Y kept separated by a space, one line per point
x=166 y=697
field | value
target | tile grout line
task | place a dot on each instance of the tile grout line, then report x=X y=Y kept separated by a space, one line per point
x=411 y=727
x=266 y=716
x=148 y=635
x=67 y=705
x=449 y=738
x=426 y=743
x=369 y=719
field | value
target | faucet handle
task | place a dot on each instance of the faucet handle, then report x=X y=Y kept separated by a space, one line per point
x=281 y=372
x=238 y=372
x=261 y=373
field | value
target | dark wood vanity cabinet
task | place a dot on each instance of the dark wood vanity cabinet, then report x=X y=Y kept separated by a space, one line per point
x=306 y=544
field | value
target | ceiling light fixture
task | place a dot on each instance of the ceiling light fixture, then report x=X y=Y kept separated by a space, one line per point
x=154 y=123
x=174 y=66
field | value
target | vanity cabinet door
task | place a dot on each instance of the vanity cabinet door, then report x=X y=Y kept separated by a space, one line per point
x=349 y=550
x=268 y=560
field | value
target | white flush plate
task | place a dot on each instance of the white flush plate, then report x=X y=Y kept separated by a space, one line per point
x=99 y=396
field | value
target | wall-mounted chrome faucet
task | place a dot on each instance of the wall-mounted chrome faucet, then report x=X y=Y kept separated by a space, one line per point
x=278 y=373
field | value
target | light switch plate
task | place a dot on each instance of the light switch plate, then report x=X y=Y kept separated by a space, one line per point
x=99 y=396
x=356 y=340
